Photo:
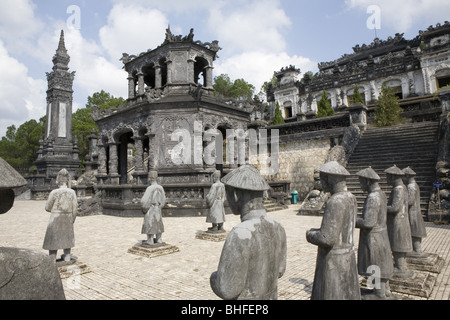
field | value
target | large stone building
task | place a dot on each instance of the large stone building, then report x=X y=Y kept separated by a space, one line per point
x=416 y=67
x=170 y=120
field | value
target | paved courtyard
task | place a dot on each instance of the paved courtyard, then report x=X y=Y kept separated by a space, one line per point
x=102 y=243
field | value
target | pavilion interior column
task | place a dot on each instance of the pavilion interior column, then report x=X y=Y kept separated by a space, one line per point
x=141 y=84
x=131 y=87
x=113 y=163
x=208 y=77
x=158 y=77
x=138 y=154
x=102 y=167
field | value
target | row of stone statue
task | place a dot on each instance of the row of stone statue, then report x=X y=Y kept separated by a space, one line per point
x=254 y=253
x=389 y=231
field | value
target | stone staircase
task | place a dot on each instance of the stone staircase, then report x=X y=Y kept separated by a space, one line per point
x=412 y=144
x=272 y=205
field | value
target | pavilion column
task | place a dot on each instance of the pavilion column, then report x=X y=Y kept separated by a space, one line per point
x=152 y=163
x=113 y=163
x=208 y=77
x=131 y=87
x=139 y=154
x=141 y=84
x=102 y=169
x=158 y=77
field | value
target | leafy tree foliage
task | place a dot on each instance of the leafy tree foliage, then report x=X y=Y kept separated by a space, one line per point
x=237 y=89
x=387 y=108
x=82 y=122
x=19 y=146
x=324 y=108
x=278 y=117
x=357 y=98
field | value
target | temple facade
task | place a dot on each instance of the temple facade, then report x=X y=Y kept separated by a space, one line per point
x=173 y=123
x=413 y=68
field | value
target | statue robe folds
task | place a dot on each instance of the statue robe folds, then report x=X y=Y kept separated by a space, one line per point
x=374 y=248
x=215 y=200
x=336 y=274
x=63 y=205
x=152 y=203
x=399 y=230
x=415 y=215
x=252 y=260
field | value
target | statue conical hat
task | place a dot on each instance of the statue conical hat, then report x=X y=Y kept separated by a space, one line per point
x=368 y=173
x=394 y=171
x=409 y=172
x=334 y=168
x=10 y=178
x=246 y=177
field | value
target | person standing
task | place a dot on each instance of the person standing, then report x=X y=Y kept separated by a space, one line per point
x=418 y=230
x=62 y=203
x=399 y=230
x=215 y=200
x=336 y=274
x=254 y=254
x=374 y=249
x=152 y=202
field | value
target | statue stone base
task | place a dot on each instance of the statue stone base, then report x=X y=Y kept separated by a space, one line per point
x=431 y=262
x=420 y=284
x=71 y=268
x=152 y=250
x=216 y=236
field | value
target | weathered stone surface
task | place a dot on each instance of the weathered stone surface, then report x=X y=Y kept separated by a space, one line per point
x=71 y=268
x=28 y=275
x=254 y=254
x=152 y=251
x=430 y=263
x=335 y=245
x=212 y=236
x=420 y=284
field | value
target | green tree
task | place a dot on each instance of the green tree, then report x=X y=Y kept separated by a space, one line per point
x=237 y=89
x=324 y=108
x=82 y=122
x=20 y=145
x=387 y=108
x=357 y=98
x=278 y=117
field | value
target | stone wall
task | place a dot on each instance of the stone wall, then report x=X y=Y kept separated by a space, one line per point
x=297 y=161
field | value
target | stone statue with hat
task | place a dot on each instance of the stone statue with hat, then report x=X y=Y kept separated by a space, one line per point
x=399 y=230
x=215 y=200
x=152 y=202
x=254 y=254
x=418 y=230
x=62 y=203
x=336 y=274
x=374 y=248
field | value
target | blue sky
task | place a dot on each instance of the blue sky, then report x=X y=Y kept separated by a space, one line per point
x=258 y=37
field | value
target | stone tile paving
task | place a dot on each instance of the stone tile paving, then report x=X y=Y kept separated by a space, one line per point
x=102 y=243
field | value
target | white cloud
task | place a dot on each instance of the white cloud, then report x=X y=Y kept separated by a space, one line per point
x=258 y=67
x=18 y=24
x=253 y=25
x=22 y=97
x=132 y=29
x=403 y=15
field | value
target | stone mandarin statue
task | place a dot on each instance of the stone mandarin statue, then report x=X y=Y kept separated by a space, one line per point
x=152 y=202
x=63 y=205
x=418 y=230
x=336 y=274
x=254 y=253
x=215 y=200
x=399 y=230
x=24 y=274
x=374 y=249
